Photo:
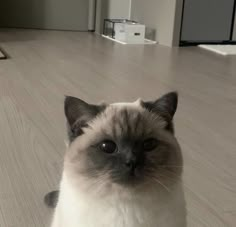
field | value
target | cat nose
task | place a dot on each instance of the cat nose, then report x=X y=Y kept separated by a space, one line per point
x=131 y=162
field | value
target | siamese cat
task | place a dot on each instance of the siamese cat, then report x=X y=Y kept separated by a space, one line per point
x=122 y=167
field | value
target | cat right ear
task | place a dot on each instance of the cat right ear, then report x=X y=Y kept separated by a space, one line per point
x=165 y=107
x=78 y=113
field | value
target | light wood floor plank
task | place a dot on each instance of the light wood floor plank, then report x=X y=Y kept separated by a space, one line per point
x=46 y=65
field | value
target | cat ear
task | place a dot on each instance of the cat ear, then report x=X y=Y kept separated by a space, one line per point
x=78 y=113
x=165 y=106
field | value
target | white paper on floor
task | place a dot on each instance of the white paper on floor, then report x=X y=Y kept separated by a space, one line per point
x=146 y=41
x=220 y=49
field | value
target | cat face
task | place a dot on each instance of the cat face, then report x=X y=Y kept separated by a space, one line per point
x=128 y=144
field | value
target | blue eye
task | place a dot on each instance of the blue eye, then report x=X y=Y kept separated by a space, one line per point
x=150 y=144
x=108 y=147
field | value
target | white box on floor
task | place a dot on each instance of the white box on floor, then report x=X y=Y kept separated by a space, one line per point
x=131 y=33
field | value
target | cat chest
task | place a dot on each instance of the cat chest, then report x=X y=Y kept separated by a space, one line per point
x=105 y=214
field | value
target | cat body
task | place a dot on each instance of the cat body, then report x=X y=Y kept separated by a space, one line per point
x=115 y=183
x=152 y=209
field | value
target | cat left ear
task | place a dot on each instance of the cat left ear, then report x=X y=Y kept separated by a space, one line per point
x=165 y=106
x=78 y=114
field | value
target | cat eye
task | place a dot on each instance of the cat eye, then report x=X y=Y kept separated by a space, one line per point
x=150 y=144
x=108 y=146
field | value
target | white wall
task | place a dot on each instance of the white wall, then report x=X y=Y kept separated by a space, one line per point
x=112 y=9
x=119 y=9
x=161 y=16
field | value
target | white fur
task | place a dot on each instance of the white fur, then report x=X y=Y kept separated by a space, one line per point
x=154 y=208
x=128 y=104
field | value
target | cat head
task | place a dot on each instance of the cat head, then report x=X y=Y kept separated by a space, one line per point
x=126 y=144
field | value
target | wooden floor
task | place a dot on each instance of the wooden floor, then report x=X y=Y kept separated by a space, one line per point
x=45 y=65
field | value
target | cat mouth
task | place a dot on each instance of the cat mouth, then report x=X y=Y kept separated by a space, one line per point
x=132 y=177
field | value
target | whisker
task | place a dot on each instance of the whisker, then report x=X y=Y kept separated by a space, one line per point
x=169 y=166
x=159 y=182
x=167 y=175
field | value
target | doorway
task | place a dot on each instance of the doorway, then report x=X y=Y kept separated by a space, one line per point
x=207 y=21
x=47 y=14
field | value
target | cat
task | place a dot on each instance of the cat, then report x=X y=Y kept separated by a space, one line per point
x=123 y=166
